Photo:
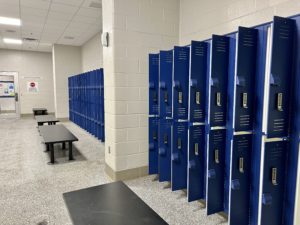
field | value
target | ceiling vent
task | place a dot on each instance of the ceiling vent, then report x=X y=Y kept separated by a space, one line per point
x=30 y=39
x=10 y=31
x=96 y=5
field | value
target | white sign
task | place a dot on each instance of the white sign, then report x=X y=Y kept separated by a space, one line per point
x=32 y=87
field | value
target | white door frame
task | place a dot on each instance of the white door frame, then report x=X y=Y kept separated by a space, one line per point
x=16 y=83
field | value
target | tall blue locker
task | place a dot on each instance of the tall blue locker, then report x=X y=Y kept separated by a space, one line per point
x=199 y=64
x=216 y=124
x=242 y=77
x=153 y=112
x=180 y=117
x=165 y=115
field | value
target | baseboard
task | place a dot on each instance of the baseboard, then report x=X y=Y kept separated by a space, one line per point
x=30 y=115
x=63 y=119
x=126 y=174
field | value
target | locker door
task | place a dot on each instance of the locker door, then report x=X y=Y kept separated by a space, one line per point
x=218 y=81
x=215 y=171
x=181 y=83
x=153 y=145
x=179 y=155
x=196 y=163
x=198 y=80
x=274 y=182
x=164 y=151
x=280 y=77
x=153 y=83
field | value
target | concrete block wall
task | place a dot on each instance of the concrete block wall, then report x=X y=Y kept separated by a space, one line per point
x=200 y=19
x=136 y=28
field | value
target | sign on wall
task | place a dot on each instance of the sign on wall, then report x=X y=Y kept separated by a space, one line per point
x=32 y=87
x=7 y=89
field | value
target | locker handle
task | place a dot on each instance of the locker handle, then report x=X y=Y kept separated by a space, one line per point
x=154 y=135
x=162 y=85
x=165 y=139
x=217 y=159
x=241 y=165
x=151 y=85
x=179 y=143
x=151 y=146
x=196 y=149
x=245 y=100
x=180 y=100
x=166 y=97
x=274 y=176
x=279 y=101
x=193 y=82
x=155 y=96
x=218 y=99
x=176 y=84
x=197 y=97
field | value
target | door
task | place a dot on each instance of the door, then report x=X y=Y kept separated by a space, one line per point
x=9 y=95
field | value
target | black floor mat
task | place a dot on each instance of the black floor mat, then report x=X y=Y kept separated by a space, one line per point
x=109 y=204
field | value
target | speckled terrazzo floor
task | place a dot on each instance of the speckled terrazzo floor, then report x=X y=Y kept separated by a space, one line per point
x=31 y=191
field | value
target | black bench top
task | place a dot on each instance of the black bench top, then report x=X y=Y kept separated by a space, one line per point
x=46 y=119
x=109 y=204
x=56 y=134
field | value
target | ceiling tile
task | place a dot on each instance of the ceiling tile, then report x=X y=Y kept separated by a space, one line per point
x=69 y=2
x=89 y=12
x=37 y=4
x=59 y=16
x=63 y=8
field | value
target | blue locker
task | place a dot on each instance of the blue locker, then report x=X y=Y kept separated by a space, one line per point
x=153 y=112
x=153 y=145
x=153 y=83
x=164 y=151
x=242 y=76
x=180 y=117
x=216 y=124
x=276 y=123
x=165 y=114
x=199 y=64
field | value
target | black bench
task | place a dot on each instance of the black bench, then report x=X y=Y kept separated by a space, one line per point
x=51 y=120
x=57 y=134
x=39 y=111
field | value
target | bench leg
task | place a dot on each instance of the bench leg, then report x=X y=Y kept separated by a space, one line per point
x=51 y=154
x=47 y=148
x=71 y=151
x=64 y=145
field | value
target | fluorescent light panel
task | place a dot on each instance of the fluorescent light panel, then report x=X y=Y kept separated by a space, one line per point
x=12 y=41
x=10 y=21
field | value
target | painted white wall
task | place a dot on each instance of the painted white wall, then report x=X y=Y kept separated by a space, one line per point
x=92 y=54
x=31 y=66
x=200 y=19
x=66 y=62
x=136 y=29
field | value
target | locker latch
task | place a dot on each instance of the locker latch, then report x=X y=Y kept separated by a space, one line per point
x=274 y=176
x=179 y=144
x=180 y=97
x=241 y=165
x=217 y=159
x=154 y=135
x=218 y=99
x=155 y=96
x=245 y=100
x=165 y=139
x=198 y=98
x=279 y=101
x=196 y=149
x=166 y=97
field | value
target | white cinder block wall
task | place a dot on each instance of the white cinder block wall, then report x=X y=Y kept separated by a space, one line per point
x=31 y=66
x=92 y=54
x=66 y=62
x=136 y=28
x=199 y=19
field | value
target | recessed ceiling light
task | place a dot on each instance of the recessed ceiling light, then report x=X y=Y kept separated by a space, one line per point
x=69 y=37
x=12 y=41
x=10 y=21
x=10 y=31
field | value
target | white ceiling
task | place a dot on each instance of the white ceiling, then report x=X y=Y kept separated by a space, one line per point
x=51 y=22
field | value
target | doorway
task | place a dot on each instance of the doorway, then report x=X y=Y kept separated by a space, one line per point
x=9 y=95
